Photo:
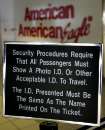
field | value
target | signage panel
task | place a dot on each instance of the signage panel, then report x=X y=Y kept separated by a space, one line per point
x=53 y=81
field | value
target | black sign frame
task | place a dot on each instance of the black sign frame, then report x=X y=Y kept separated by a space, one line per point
x=78 y=45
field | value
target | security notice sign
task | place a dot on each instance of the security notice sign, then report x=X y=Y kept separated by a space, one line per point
x=60 y=82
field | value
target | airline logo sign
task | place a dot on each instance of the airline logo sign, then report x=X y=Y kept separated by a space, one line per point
x=60 y=21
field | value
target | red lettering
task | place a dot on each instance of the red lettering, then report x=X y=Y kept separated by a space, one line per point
x=70 y=10
x=28 y=15
x=33 y=32
x=58 y=32
x=51 y=12
x=21 y=30
x=52 y=33
x=81 y=31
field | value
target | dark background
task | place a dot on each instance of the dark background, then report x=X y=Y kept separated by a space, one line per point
x=89 y=113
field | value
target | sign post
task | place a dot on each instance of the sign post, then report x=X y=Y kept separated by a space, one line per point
x=53 y=82
x=48 y=126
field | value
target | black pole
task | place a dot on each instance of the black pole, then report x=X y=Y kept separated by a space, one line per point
x=47 y=125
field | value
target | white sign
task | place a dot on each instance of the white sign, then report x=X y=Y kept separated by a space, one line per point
x=62 y=21
x=55 y=21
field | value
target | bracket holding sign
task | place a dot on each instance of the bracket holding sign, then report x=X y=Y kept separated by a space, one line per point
x=53 y=82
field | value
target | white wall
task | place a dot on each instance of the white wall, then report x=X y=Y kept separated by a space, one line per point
x=6 y=22
x=7 y=19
